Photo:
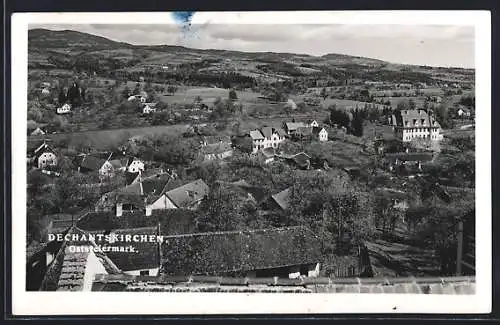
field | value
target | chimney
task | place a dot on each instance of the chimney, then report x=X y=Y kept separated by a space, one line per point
x=119 y=209
x=148 y=211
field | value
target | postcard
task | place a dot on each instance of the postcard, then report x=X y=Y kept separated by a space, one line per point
x=251 y=162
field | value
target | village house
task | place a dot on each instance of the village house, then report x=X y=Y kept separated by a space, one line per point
x=99 y=163
x=44 y=156
x=267 y=154
x=80 y=258
x=187 y=196
x=292 y=127
x=126 y=164
x=37 y=131
x=411 y=162
x=281 y=200
x=218 y=150
x=45 y=91
x=148 y=108
x=249 y=253
x=463 y=112
x=266 y=137
x=320 y=134
x=301 y=159
x=65 y=109
x=415 y=124
x=313 y=123
x=140 y=98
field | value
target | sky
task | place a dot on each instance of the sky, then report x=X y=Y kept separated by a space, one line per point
x=434 y=45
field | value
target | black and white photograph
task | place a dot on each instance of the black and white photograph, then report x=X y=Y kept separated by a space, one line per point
x=332 y=157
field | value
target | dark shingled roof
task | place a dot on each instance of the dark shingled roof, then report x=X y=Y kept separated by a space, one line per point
x=66 y=272
x=92 y=162
x=172 y=221
x=239 y=251
x=146 y=254
x=304 y=131
x=188 y=194
x=282 y=198
x=130 y=177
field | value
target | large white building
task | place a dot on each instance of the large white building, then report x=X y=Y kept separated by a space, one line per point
x=414 y=124
x=267 y=137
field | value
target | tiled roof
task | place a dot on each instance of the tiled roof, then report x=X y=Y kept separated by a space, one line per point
x=292 y=126
x=188 y=194
x=281 y=132
x=415 y=118
x=448 y=285
x=67 y=271
x=301 y=159
x=268 y=152
x=146 y=254
x=267 y=131
x=42 y=149
x=92 y=162
x=256 y=135
x=304 y=131
x=172 y=221
x=283 y=198
x=217 y=253
x=317 y=130
x=130 y=177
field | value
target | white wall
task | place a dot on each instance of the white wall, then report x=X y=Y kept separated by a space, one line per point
x=314 y=272
x=93 y=267
x=163 y=202
x=47 y=159
x=151 y=272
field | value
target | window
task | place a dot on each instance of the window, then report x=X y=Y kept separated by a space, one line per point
x=144 y=272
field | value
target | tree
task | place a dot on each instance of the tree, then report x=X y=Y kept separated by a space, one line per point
x=171 y=89
x=441 y=113
x=126 y=92
x=222 y=211
x=324 y=93
x=339 y=117
x=357 y=124
x=62 y=97
x=74 y=94
x=232 y=95
x=411 y=104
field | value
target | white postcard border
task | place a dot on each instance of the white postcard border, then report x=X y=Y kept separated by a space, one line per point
x=100 y=303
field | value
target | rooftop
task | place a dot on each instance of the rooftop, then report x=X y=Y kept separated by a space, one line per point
x=447 y=285
x=188 y=194
x=225 y=252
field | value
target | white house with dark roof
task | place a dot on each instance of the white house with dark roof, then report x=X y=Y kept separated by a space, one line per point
x=416 y=124
x=320 y=133
x=266 y=137
x=148 y=108
x=44 y=156
x=187 y=196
